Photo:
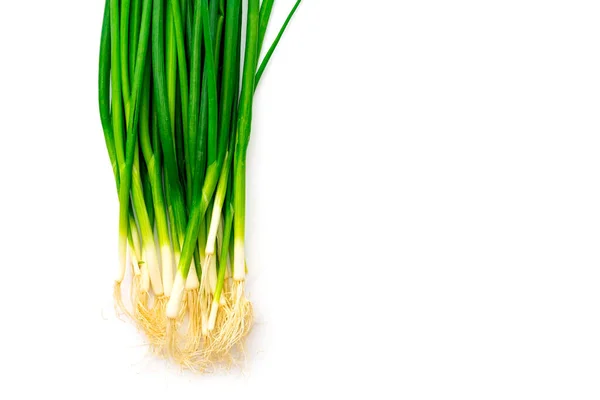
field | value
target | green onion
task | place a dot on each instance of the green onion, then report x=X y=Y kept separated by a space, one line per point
x=177 y=125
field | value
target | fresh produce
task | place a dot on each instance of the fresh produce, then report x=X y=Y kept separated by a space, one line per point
x=176 y=101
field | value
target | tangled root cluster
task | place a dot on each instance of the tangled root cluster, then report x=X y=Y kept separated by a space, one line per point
x=187 y=339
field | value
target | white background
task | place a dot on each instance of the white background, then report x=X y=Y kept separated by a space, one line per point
x=423 y=212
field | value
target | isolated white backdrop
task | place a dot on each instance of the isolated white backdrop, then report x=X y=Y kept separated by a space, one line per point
x=423 y=211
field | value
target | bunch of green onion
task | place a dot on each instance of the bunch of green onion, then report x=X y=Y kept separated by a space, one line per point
x=176 y=98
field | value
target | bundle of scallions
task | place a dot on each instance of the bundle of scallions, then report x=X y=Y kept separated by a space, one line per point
x=176 y=99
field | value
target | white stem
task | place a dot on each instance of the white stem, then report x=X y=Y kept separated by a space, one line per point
x=153 y=270
x=192 y=282
x=135 y=264
x=213 y=315
x=201 y=245
x=212 y=274
x=166 y=256
x=205 y=278
x=239 y=260
x=220 y=236
x=174 y=303
x=228 y=267
x=122 y=267
x=145 y=281
x=214 y=227
x=135 y=236
x=128 y=256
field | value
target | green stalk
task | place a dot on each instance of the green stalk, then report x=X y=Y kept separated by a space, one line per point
x=166 y=194
x=183 y=5
x=209 y=26
x=211 y=84
x=146 y=231
x=117 y=116
x=176 y=209
x=115 y=90
x=130 y=174
x=145 y=146
x=194 y=104
x=134 y=238
x=229 y=98
x=183 y=74
x=218 y=44
x=175 y=235
x=171 y=61
x=202 y=232
x=173 y=190
x=265 y=61
x=104 y=76
x=147 y=185
x=229 y=80
x=125 y=4
x=134 y=36
x=179 y=141
x=200 y=159
x=219 y=39
x=243 y=137
x=153 y=163
x=146 y=139
x=265 y=14
x=162 y=225
x=217 y=205
x=189 y=26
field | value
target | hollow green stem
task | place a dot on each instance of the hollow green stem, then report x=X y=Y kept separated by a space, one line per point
x=209 y=20
x=219 y=198
x=265 y=14
x=189 y=25
x=134 y=35
x=147 y=186
x=104 y=76
x=230 y=73
x=211 y=84
x=195 y=78
x=115 y=89
x=183 y=74
x=117 y=116
x=243 y=136
x=200 y=159
x=124 y=30
x=265 y=61
x=171 y=60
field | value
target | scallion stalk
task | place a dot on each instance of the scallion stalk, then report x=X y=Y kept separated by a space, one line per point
x=243 y=138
